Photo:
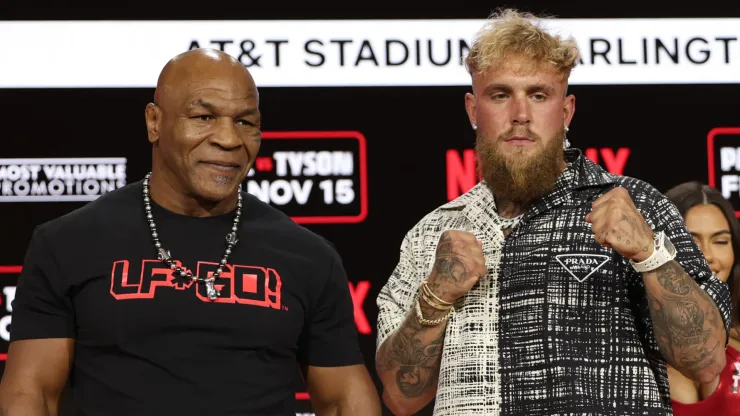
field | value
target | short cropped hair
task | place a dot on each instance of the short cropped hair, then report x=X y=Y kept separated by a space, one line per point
x=510 y=33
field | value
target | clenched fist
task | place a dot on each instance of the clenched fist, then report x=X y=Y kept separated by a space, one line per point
x=458 y=266
x=616 y=223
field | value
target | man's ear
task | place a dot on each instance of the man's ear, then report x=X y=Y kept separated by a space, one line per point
x=470 y=109
x=569 y=109
x=153 y=116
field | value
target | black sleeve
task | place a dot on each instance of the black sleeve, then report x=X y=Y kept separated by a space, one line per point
x=41 y=309
x=330 y=337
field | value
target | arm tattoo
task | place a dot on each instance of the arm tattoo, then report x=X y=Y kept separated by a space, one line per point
x=632 y=236
x=414 y=358
x=417 y=360
x=448 y=266
x=684 y=318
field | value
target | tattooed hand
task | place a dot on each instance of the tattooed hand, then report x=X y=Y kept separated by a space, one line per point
x=458 y=266
x=616 y=223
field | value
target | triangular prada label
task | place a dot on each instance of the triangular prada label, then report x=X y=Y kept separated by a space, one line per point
x=581 y=266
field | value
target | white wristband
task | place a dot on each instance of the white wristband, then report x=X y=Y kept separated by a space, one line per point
x=663 y=252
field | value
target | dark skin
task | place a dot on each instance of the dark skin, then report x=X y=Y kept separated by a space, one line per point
x=204 y=126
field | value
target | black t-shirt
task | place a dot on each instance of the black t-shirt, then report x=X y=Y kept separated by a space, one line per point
x=151 y=344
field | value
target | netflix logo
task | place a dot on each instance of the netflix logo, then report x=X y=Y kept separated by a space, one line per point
x=462 y=168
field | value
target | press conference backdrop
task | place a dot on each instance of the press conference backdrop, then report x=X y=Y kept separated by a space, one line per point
x=364 y=124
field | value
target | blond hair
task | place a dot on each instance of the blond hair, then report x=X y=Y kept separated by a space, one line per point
x=510 y=33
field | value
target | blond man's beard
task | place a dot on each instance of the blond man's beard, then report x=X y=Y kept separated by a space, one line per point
x=520 y=177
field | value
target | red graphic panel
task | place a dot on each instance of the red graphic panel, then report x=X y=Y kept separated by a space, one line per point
x=330 y=198
x=7 y=270
x=723 y=158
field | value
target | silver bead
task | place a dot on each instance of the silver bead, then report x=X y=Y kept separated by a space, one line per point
x=158 y=244
x=235 y=228
x=154 y=234
x=228 y=251
x=152 y=226
x=183 y=274
x=149 y=216
x=146 y=199
x=173 y=266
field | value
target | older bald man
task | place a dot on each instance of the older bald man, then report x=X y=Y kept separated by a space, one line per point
x=180 y=294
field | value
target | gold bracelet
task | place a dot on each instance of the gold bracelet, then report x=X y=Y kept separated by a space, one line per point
x=432 y=303
x=432 y=295
x=429 y=322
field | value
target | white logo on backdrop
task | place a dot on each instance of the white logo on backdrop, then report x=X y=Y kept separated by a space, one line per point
x=54 y=180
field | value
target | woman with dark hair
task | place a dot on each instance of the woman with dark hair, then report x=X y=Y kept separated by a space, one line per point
x=712 y=222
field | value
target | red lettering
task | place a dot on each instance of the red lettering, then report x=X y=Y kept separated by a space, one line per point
x=263 y=163
x=127 y=284
x=615 y=163
x=249 y=285
x=461 y=173
x=359 y=293
x=206 y=269
x=593 y=154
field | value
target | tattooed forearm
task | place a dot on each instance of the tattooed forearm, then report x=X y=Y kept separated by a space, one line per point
x=416 y=359
x=409 y=359
x=687 y=325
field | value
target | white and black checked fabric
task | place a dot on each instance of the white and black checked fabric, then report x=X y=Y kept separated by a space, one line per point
x=560 y=325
